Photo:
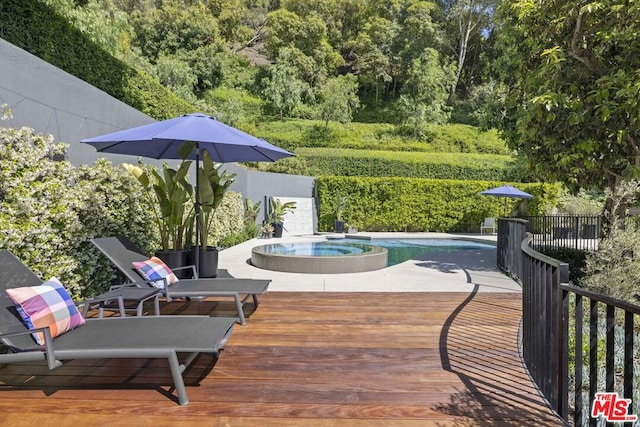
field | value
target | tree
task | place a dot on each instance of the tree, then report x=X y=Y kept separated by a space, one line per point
x=339 y=99
x=173 y=27
x=469 y=18
x=283 y=88
x=572 y=105
x=371 y=52
x=425 y=91
x=308 y=35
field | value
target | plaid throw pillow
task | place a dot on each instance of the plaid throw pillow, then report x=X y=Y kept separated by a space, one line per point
x=154 y=269
x=45 y=305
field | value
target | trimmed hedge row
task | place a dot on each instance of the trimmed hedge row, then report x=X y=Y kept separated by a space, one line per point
x=414 y=204
x=292 y=134
x=37 y=28
x=346 y=162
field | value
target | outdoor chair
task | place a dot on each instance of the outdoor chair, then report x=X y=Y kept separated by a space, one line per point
x=123 y=253
x=162 y=337
x=488 y=224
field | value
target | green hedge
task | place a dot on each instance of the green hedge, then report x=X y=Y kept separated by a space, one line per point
x=414 y=204
x=35 y=27
x=292 y=134
x=346 y=162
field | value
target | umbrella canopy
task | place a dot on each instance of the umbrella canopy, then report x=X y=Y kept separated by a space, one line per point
x=161 y=140
x=507 y=191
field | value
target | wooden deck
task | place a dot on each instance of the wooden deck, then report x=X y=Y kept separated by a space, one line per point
x=310 y=359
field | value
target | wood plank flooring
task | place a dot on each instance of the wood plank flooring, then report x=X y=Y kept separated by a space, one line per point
x=310 y=359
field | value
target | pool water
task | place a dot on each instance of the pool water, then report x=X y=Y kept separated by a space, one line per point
x=399 y=250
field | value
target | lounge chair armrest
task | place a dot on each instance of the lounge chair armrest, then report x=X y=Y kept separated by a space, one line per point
x=138 y=284
x=194 y=273
x=48 y=344
x=24 y=332
x=97 y=299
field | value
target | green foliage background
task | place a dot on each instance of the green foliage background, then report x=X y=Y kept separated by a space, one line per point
x=463 y=166
x=37 y=28
x=414 y=204
x=51 y=234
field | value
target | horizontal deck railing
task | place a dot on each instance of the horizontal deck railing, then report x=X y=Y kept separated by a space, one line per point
x=558 y=320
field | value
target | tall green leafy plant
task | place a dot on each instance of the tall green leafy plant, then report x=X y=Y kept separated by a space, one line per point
x=279 y=209
x=169 y=194
x=213 y=183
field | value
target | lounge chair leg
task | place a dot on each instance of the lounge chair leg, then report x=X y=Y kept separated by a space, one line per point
x=189 y=359
x=178 y=381
x=241 y=318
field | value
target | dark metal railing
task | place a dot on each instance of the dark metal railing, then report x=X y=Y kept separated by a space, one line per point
x=511 y=232
x=543 y=345
x=561 y=231
x=557 y=320
x=616 y=315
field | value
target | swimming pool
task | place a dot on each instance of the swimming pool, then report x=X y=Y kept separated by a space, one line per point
x=401 y=250
x=352 y=255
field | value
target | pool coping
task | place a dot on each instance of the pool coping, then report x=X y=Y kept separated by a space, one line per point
x=375 y=258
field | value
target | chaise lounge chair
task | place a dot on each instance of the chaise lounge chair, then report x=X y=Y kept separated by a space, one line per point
x=161 y=337
x=123 y=253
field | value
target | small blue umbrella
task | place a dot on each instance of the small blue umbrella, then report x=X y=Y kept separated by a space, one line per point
x=161 y=140
x=507 y=191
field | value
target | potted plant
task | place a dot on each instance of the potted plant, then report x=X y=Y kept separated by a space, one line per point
x=170 y=194
x=266 y=230
x=211 y=188
x=340 y=203
x=276 y=216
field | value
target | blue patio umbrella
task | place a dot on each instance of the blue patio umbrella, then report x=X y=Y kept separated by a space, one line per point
x=507 y=191
x=161 y=140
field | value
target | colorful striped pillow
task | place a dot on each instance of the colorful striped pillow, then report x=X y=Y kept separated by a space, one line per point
x=154 y=269
x=45 y=305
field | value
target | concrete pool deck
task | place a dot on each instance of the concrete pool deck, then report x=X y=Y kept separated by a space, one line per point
x=434 y=272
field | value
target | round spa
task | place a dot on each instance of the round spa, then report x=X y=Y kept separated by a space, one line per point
x=319 y=257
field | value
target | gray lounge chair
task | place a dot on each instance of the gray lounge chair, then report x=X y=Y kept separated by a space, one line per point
x=161 y=337
x=122 y=252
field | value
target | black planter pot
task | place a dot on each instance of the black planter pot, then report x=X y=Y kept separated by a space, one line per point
x=174 y=259
x=208 y=266
x=338 y=226
x=277 y=229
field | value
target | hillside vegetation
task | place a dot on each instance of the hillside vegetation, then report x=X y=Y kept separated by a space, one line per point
x=172 y=57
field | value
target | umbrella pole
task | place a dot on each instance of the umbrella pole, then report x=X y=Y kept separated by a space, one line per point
x=197 y=242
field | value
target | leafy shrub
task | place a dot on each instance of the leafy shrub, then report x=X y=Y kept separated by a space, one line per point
x=292 y=134
x=50 y=233
x=288 y=165
x=400 y=204
x=581 y=203
x=228 y=218
x=349 y=162
x=614 y=268
x=233 y=104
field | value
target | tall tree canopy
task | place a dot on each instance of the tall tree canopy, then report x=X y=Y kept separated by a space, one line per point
x=572 y=70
